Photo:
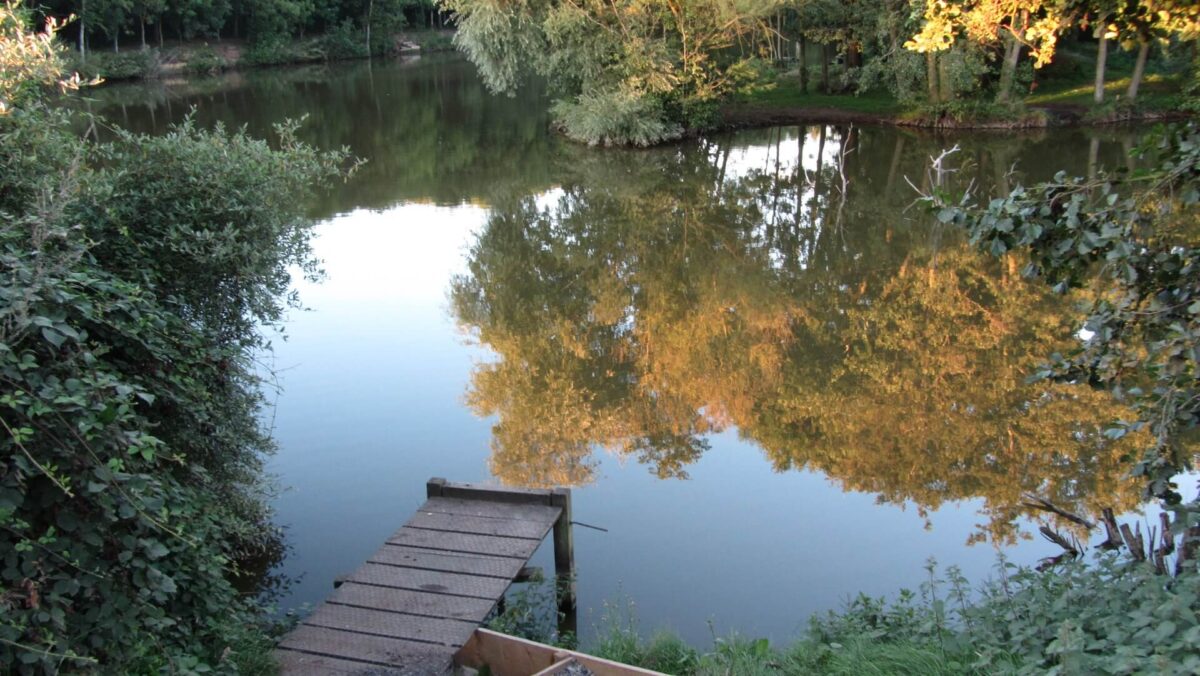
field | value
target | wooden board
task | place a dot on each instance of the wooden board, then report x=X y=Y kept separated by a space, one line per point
x=461 y=523
x=373 y=650
x=442 y=632
x=413 y=602
x=479 y=508
x=511 y=656
x=436 y=581
x=293 y=662
x=451 y=562
x=494 y=494
x=465 y=543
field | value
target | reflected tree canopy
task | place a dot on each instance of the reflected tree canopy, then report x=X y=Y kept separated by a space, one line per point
x=661 y=296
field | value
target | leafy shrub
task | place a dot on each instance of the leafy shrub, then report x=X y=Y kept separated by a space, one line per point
x=133 y=278
x=1112 y=616
x=275 y=52
x=615 y=117
x=129 y=65
x=343 y=42
x=205 y=61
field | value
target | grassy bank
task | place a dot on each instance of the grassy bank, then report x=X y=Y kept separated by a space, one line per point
x=204 y=58
x=1061 y=95
x=1109 y=615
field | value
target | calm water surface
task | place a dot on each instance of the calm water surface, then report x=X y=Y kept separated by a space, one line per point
x=773 y=379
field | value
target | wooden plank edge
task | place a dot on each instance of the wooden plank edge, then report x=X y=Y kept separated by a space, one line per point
x=476 y=532
x=528 y=511
x=438 y=487
x=507 y=655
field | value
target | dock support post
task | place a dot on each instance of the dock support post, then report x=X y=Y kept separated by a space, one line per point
x=433 y=487
x=564 y=550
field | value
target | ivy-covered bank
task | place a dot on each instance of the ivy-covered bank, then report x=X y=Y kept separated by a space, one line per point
x=134 y=278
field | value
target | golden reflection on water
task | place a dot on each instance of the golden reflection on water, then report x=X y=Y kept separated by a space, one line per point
x=662 y=296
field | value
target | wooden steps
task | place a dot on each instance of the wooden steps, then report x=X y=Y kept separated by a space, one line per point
x=418 y=600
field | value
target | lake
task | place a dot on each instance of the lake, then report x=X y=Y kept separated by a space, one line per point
x=768 y=373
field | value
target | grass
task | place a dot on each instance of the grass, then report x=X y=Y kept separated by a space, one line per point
x=1157 y=92
x=1068 y=87
x=787 y=94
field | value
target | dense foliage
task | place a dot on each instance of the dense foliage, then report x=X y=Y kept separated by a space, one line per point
x=134 y=276
x=1133 y=240
x=641 y=71
x=98 y=25
x=1108 y=616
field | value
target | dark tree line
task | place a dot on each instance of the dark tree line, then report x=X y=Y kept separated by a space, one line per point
x=114 y=24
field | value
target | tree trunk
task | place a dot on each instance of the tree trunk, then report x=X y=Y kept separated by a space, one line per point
x=143 y=27
x=803 y=65
x=825 y=67
x=1008 y=71
x=931 y=75
x=160 y=32
x=83 y=30
x=370 y=7
x=945 y=85
x=116 y=39
x=853 y=54
x=1139 y=69
x=1101 y=62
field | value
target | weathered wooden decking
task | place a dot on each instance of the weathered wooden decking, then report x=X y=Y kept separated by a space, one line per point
x=417 y=600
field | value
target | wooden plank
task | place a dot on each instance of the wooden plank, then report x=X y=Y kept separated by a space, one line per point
x=452 y=633
x=413 y=602
x=292 y=662
x=436 y=581
x=408 y=656
x=451 y=562
x=461 y=542
x=468 y=491
x=511 y=656
x=460 y=523
x=494 y=510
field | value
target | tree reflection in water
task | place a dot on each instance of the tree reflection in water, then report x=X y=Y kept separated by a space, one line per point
x=661 y=296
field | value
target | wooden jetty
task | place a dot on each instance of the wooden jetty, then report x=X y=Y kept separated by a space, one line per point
x=413 y=605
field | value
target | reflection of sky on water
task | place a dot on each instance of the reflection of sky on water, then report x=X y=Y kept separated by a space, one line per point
x=374 y=376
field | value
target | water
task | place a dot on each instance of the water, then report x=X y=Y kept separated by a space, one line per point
x=770 y=376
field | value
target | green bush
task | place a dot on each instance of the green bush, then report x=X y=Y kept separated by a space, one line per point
x=345 y=41
x=129 y=65
x=613 y=118
x=205 y=61
x=274 y=53
x=134 y=277
x=1110 y=616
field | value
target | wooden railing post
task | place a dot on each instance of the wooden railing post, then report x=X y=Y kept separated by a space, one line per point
x=564 y=550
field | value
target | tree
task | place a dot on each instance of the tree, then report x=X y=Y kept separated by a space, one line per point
x=631 y=71
x=1015 y=23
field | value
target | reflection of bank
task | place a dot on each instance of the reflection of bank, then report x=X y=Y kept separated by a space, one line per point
x=656 y=299
x=418 y=600
x=428 y=128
